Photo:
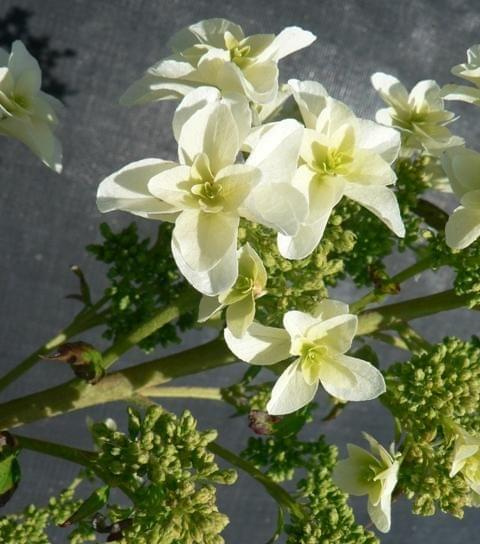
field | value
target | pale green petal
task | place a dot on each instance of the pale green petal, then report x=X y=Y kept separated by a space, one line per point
x=210 y=31
x=462 y=167
x=25 y=70
x=151 y=88
x=237 y=181
x=260 y=345
x=381 y=201
x=463 y=93
x=426 y=93
x=328 y=308
x=349 y=474
x=208 y=307
x=381 y=514
x=462 y=228
x=291 y=392
x=240 y=315
x=296 y=323
x=172 y=185
x=127 y=190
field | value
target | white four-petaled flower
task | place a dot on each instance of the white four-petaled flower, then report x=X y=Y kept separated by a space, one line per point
x=216 y=52
x=341 y=155
x=207 y=192
x=318 y=342
x=27 y=113
x=374 y=474
x=420 y=115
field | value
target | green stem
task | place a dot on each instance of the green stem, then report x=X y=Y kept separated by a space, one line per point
x=377 y=294
x=76 y=394
x=282 y=497
x=210 y=393
x=186 y=301
x=81 y=323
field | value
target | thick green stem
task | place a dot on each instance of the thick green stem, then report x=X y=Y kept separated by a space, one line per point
x=210 y=393
x=77 y=394
x=282 y=497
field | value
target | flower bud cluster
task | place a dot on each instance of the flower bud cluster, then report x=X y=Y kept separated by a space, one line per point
x=165 y=463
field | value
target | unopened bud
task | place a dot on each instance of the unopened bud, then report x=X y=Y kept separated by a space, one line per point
x=261 y=422
x=84 y=359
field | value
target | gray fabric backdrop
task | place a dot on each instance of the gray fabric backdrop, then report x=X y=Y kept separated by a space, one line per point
x=92 y=50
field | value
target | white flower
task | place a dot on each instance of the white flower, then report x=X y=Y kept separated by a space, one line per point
x=469 y=71
x=374 y=474
x=318 y=342
x=466 y=457
x=240 y=298
x=27 y=113
x=462 y=167
x=420 y=115
x=341 y=155
x=206 y=193
x=216 y=52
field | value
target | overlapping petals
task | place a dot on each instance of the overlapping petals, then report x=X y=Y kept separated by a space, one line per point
x=341 y=155
x=318 y=342
x=27 y=113
x=215 y=52
x=420 y=115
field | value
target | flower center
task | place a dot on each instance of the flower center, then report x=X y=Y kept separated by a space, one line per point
x=208 y=193
x=238 y=53
x=331 y=162
x=312 y=356
x=243 y=285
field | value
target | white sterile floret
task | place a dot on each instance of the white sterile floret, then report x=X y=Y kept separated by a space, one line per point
x=466 y=458
x=341 y=155
x=240 y=298
x=318 y=342
x=374 y=474
x=206 y=192
x=469 y=71
x=462 y=167
x=215 y=52
x=27 y=113
x=420 y=115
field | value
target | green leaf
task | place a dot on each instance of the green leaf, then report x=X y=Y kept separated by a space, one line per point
x=95 y=502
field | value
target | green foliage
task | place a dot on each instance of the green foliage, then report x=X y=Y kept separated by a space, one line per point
x=433 y=388
x=143 y=277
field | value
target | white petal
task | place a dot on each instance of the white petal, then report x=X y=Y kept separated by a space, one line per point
x=328 y=308
x=209 y=31
x=464 y=93
x=208 y=307
x=277 y=205
x=291 y=392
x=336 y=332
x=172 y=186
x=240 y=315
x=462 y=228
x=289 y=40
x=424 y=93
x=214 y=281
x=381 y=201
x=260 y=345
x=349 y=378
x=203 y=239
x=276 y=152
x=381 y=140
x=151 y=88
x=349 y=474
x=191 y=103
x=127 y=189
x=259 y=81
x=296 y=323
x=310 y=98
x=237 y=181
x=211 y=130
x=304 y=242
x=390 y=89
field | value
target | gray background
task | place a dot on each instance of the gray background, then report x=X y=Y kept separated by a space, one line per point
x=93 y=50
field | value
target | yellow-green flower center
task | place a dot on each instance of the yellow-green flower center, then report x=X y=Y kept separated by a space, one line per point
x=472 y=468
x=208 y=193
x=238 y=53
x=243 y=285
x=331 y=162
